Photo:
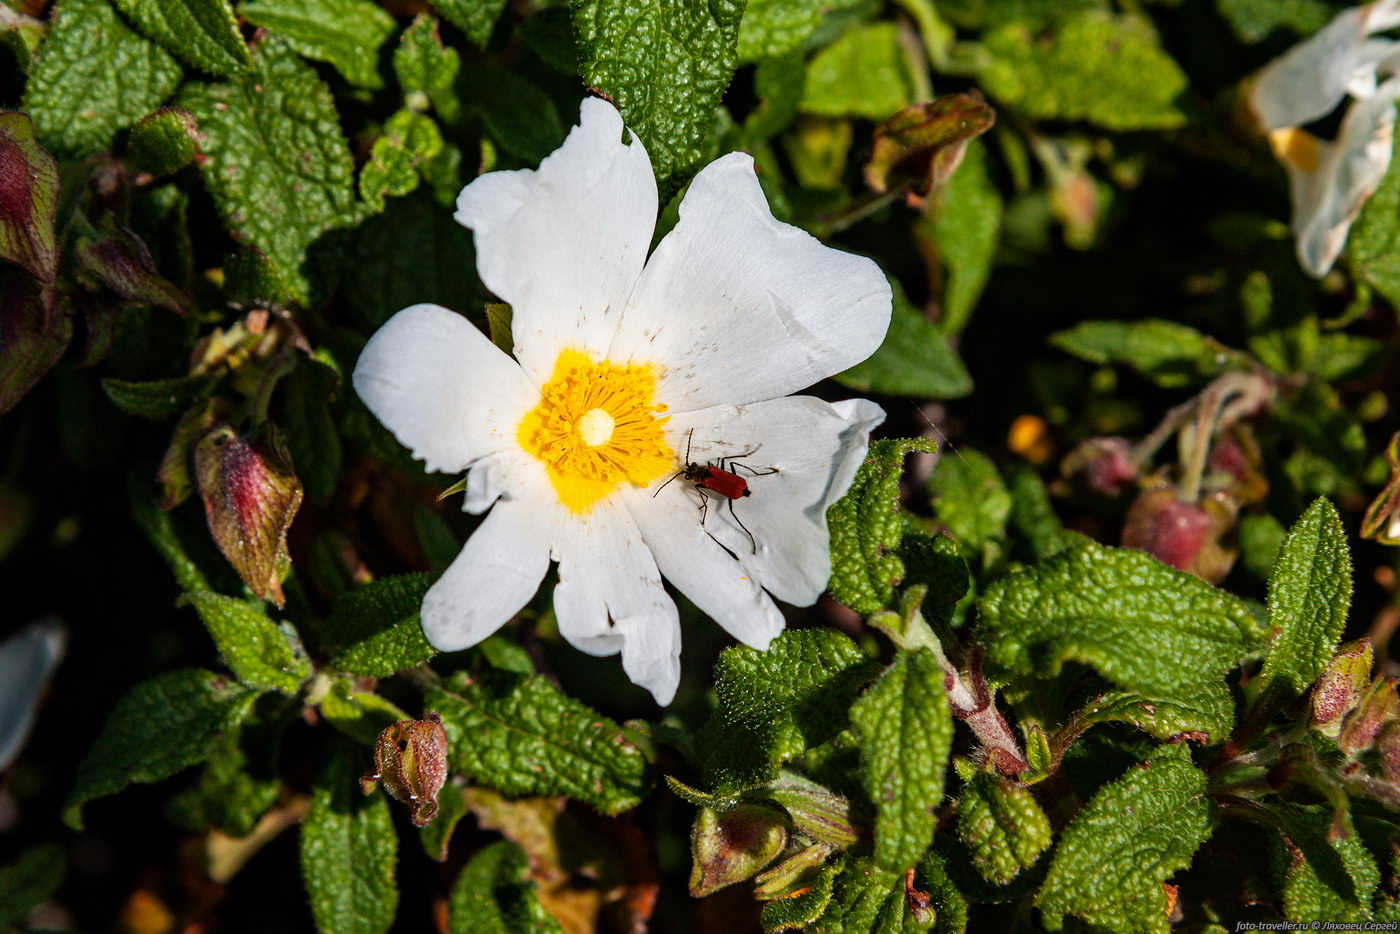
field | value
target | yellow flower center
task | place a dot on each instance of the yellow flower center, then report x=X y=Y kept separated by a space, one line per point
x=597 y=427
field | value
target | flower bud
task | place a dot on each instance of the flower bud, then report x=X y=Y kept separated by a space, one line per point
x=734 y=845
x=1338 y=689
x=411 y=759
x=1377 y=708
x=1185 y=535
x=1106 y=465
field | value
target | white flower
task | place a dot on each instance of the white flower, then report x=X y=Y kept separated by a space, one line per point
x=1330 y=182
x=621 y=363
x=27 y=661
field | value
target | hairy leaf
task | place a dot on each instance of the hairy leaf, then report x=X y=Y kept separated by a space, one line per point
x=1309 y=595
x=348 y=851
x=93 y=76
x=374 y=630
x=1002 y=826
x=28 y=198
x=1206 y=711
x=522 y=736
x=866 y=526
x=771 y=28
x=204 y=33
x=665 y=65
x=1133 y=834
x=869 y=900
x=275 y=160
x=796 y=912
x=426 y=69
x=260 y=653
x=237 y=786
x=906 y=733
x=970 y=498
x=163 y=725
x=1373 y=247
x=1144 y=626
x=1324 y=877
x=345 y=33
x=493 y=896
x=966 y=228
x=410 y=139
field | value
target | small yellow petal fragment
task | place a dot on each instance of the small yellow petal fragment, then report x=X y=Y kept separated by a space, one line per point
x=1296 y=147
x=596 y=427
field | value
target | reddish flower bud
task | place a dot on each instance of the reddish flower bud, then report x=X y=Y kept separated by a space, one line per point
x=1182 y=534
x=1106 y=465
x=1378 y=707
x=1338 y=689
x=733 y=846
x=410 y=758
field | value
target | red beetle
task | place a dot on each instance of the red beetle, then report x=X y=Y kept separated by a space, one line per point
x=719 y=478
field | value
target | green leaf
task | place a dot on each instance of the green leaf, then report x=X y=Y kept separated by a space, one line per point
x=204 y=33
x=164 y=142
x=1143 y=625
x=410 y=140
x=436 y=837
x=1261 y=536
x=906 y=732
x=312 y=440
x=869 y=900
x=494 y=896
x=348 y=850
x=93 y=76
x=28 y=199
x=865 y=73
x=771 y=28
x=1206 y=709
x=1002 y=826
x=966 y=227
x=30 y=881
x=778 y=84
x=260 y=653
x=360 y=715
x=867 y=525
x=1033 y=515
x=937 y=563
x=1322 y=877
x=522 y=736
x=476 y=18
x=426 y=69
x=796 y=912
x=163 y=725
x=1171 y=355
x=1106 y=69
x=346 y=34
x=1254 y=20
x=1133 y=834
x=776 y=704
x=1309 y=595
x=1373 y=246
x=375 y=631
x=665 y=65
x=237 y=786
x=518 y=114
x=276 y=163
x=914 y=360
x=970 y=498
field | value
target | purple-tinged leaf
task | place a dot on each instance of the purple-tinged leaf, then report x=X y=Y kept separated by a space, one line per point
x=28 y=198
x=35 y=329
x=120 y=261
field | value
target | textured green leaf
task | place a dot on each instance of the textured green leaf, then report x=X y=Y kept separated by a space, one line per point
x=914 y=360
x=476 y=18
x=345 y=33
x=906 y=732
x=163 y=725
x=164 y=142
x=776 y=704
x=1133 y=834
x=1254 y=20
x=1373 y=245
x=966 y=228
x=238 y=784
x=277 y=165
x=28 y=199
x=1309 y=595
x=93 y=76
x=1143 y=625
x=360 y=715
x=494 y=896
x=375 y=630
x=870 y=900
x=1098 y=67
x=970 y=498
x=410 y=140
x=1323 y=879
x=426 y=69
x=775 y=27
x=159 y=527
x=1207 y=708
x=797 y=912
x=866 y=526
x=865 y=73
x=204 y=33
x=30 y=881
x=348 y=851
x=1002 y=826
x=522 y=736
x=1171 y=355
x=937 y=563
x=665 y=65
x=260 y=653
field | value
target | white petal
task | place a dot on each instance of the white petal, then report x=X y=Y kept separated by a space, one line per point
x=610 y=598
x=564 y=245
x=1329 y=194
x=444 y=390
x=815 y=448
x=739 y=308
x=27 y=659
x=1309 y=80
x=497 y=573
x=698 y=567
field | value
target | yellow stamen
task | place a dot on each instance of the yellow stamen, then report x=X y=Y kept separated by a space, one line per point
x=596 y=427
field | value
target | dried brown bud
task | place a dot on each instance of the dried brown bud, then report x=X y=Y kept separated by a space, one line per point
x=411 y=760
x=924 y=143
